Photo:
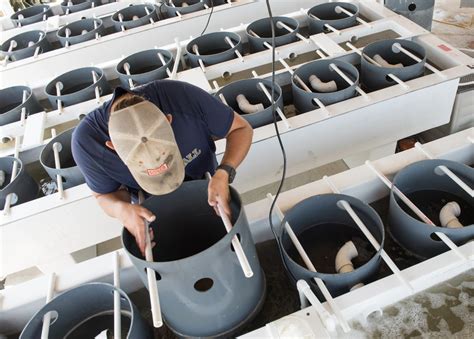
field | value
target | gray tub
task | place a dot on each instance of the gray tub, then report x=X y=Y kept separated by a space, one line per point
x=85 y=311
x=193 y=6
x=213 y=48
x=81 y=30
x=70 y=172
x=419 y=11
x=11 y=103
x=376 y=77
x=262 y=28
x=23 y=186
x=326 y=14
x=203 y=290
x=78 y=86
x=255 y=95
x=429 y=190
x=27 y=43
x=323 y=218
x=303 y=100
x=76 y=5
x=134 y=10
x=31 y=15
x=145 y=66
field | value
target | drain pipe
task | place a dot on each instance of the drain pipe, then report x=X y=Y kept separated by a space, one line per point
x=246 y=107
x=384 y=63
x=321 y=86
x=448 y=215
x=343 y=260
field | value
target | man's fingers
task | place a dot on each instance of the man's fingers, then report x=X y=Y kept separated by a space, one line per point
x=150 y=217
x=152 y=234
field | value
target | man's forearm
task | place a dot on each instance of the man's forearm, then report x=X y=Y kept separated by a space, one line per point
x=237 y=145
x=112 y=203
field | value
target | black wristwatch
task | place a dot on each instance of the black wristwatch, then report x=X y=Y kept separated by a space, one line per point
x=229 y=169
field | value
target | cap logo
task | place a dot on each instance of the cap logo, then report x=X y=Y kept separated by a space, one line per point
x=157 y=171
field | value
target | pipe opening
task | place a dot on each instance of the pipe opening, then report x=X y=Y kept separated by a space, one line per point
x=203 y=285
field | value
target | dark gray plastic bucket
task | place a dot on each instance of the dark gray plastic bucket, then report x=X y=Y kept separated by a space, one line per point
x=23 y=186
x=419 y=11
x=31 y=15
x=376 y=77
x=326 y=14
x=85 y=311
x=134 y=10
x=81 y=30
x=78 y=86
x=203 y=290
x=11 y=103
x=193 y=6
x=255 y=95
x=75 y=5
x=262 y=28
x=322 y=216
x=145 y=66
x=213 y=48
x=27 y=43
x=429 y=189
x=303 y=100
x=69 y=171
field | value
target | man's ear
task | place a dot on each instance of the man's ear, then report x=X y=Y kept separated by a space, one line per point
x=169 y=117
x=109 y=144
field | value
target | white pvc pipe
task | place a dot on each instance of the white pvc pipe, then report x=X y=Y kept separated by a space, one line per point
x=177 y=58
x=324 y=315
x=447 y=171
x=397 y=47
x=162 y=60
x=384 y=63
x=23 y=109
x=339 y=9
x=47 y=316
x=151 y=277
x=415 y=209
x=126 y=67
x=348 y=80
x=120 y=17
x=280 y=24
x=266 y=44
x=344 y=256
x=320 y=86
x=59 y=87
x=68 y=33
x=96 y=89
x=448 y=215
x=231 y=44
x=57 y=147
x=246 y=107
x=117 y=311
x=269 y=97
x=221 y=96
x=324 y=290
x=195 y=49
x=148 y=13
x=338 y=32
x=239 y=251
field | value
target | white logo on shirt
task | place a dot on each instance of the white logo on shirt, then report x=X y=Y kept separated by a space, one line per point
x=191 y=156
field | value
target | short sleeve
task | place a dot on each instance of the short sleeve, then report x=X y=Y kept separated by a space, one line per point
x=86 y=158
x=217 y=116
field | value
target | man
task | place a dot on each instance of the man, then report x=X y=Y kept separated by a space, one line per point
x=151 y=139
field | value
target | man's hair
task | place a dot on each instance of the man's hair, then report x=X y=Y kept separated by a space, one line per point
x=125 y=100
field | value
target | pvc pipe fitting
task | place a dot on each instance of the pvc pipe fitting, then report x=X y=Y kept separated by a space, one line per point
x=246 y=107
x=448 y=215
x=384 y=63
x=344 y=256
x=321 y=86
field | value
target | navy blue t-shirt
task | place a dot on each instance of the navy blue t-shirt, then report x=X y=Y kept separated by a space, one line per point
x=198 y=118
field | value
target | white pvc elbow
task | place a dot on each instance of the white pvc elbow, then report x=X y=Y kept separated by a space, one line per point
x=246 y=107
x=448 y=215
x=344 y=256
x=382 y=62
x=321 y=86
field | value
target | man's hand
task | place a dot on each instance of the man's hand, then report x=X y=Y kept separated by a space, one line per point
x=133 y=218
x=218 y=192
